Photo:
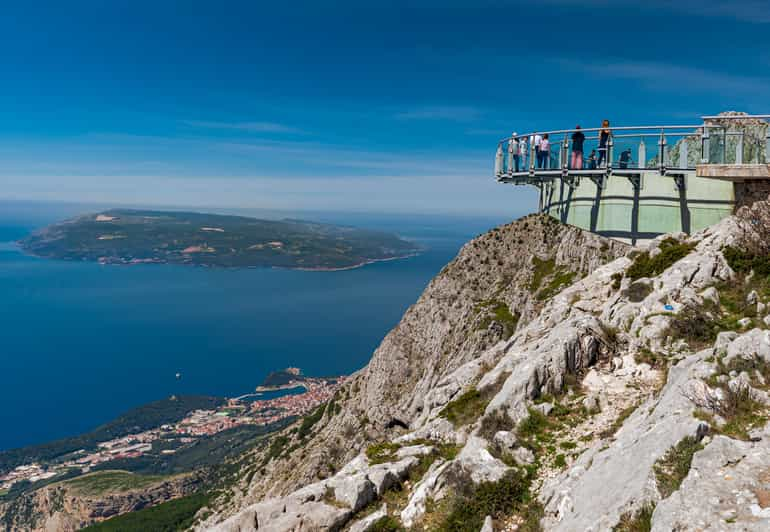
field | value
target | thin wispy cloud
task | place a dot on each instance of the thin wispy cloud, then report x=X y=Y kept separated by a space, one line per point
x=251 y=127
x=449 y=112
x=754 y=11
x=671 y=77
x=111 y=154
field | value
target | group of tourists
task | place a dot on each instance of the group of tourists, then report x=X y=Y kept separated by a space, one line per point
x=541 y=151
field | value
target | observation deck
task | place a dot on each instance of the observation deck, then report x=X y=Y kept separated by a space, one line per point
x=644 y=181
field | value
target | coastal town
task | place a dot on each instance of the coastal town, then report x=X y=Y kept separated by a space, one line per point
x=247 y=409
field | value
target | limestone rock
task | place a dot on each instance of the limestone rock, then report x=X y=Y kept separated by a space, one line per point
x=544 y=408
x=505 y=439
x=726 y=489
x=476 y=459
x=487 y=527
x=362 y=525
x=752 y=298
x=424 y=490
x=608 y=482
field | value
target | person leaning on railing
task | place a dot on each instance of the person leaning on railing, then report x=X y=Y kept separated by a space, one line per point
x=625 y=159
x=578 y=138
x=592 y=160
x=604 y=139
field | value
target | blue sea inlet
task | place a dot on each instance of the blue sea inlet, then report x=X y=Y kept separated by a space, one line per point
x=81 y=343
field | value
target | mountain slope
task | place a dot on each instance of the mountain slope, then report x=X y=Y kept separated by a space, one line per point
x=498 y=282
x=634 y=398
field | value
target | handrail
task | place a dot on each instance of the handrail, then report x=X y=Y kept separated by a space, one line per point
x=736 y=117
x=589 y=129
x=639 y=128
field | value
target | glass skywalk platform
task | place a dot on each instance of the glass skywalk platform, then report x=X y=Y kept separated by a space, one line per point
x=650 y=180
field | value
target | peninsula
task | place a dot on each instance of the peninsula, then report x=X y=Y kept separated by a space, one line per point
x=123 y=236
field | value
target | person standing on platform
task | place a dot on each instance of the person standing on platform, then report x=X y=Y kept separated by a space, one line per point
x=578 y=138
x=545 y=152
x=604 y=140
x=513 y=153
x=534 y=144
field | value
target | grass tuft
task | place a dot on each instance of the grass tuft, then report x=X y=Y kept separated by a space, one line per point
x=639 y=521
x=672 y=468
x=671 y=251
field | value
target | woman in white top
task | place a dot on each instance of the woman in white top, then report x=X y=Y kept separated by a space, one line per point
x=545 y=152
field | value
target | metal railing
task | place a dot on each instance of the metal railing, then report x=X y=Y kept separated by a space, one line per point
x=630 y=150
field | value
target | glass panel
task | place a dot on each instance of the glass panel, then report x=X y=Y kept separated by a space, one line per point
x=754 y=144
x=716 y=153
x=684 y=150
x=625 y=150
x=733 y=140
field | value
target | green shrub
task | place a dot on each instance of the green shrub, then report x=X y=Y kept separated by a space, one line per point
x=170 y=516
x=671 y=251
x=756 y=366
x=470 y=405
x=465 y=409
x=277 y=445
x=497 y=311
x=561 y=279
x=310 y=420
x=639 y=521
x=699 y=326
x=655 y=360
x=672 y=468
x=497 y=421
x=740 y=411
x=637 y=291
x=742 y=261
x=103 y=482
x=472 y=503
x=540 y=270
x=386 y=524
x=380 y=453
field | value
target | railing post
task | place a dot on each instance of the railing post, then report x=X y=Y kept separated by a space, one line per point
x=642 y=154
x=610 y=151
x=565 y=154
x=662 y=152
x=499 y=160
x=705 y=156
x=739 y=149
x=510 y=155
x=683 y=154
x=532 y=153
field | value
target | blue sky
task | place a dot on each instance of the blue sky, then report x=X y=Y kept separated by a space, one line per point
x=381 y=106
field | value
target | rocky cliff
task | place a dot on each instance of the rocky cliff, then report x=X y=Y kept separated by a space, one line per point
x=497 y=284
x=71 y=505
x=634 y=397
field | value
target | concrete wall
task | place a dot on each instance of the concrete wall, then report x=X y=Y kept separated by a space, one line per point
x=657 y=207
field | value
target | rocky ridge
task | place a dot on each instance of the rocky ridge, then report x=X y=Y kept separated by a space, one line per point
x=65 y=507
x=498 y=282
x=587 y=418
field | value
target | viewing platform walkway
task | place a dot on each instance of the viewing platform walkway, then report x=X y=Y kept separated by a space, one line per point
x=635 y=183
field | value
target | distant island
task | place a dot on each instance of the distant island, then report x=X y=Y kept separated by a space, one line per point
x=123 y=236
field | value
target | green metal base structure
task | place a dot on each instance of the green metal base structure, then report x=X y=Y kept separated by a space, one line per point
x=638 y=208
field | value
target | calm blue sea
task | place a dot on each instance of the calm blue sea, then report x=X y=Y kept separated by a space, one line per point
x=80 y=343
